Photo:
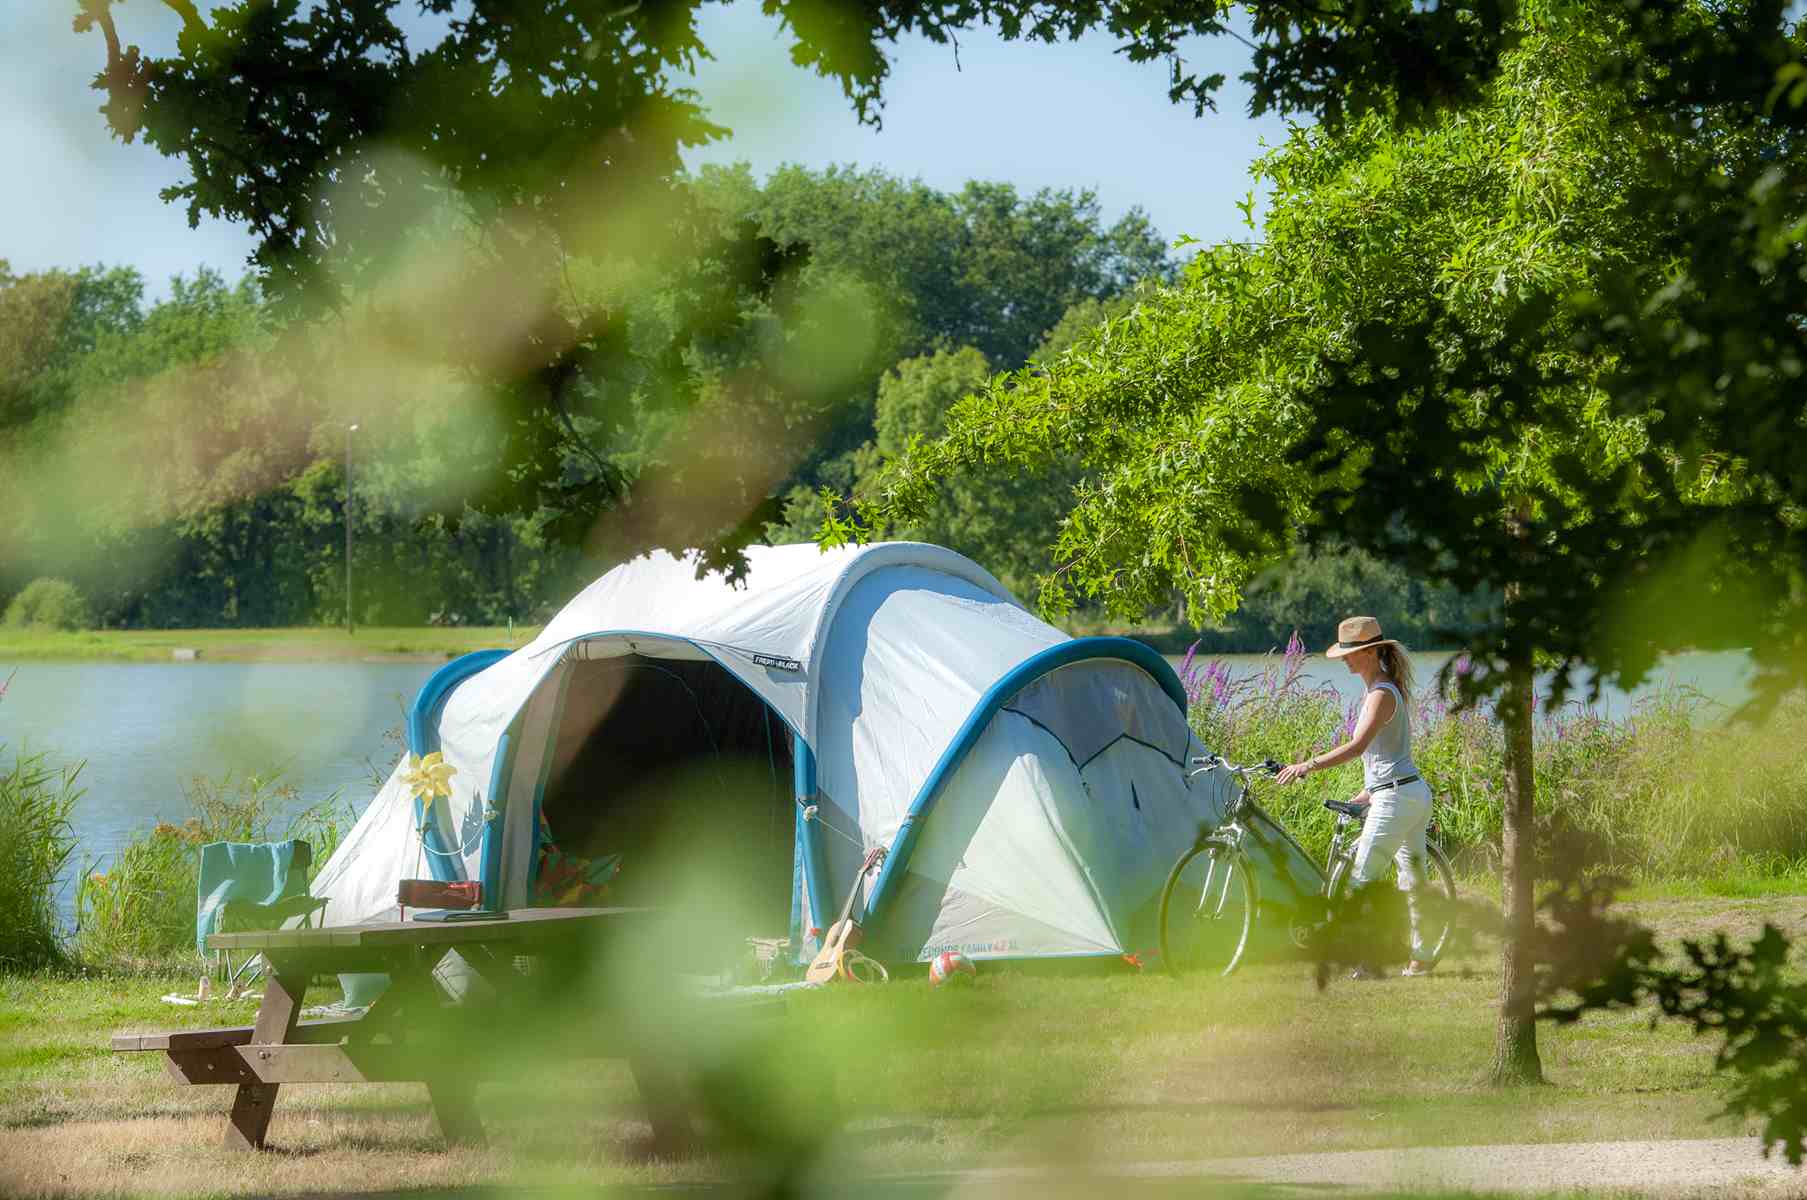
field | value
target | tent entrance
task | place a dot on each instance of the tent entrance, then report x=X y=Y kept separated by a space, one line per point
x=685 y=772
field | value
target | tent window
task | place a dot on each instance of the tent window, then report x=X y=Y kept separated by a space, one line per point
x=680 y=768
x=1090 y=705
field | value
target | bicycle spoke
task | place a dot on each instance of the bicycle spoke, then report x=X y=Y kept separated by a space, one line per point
x=1206 y=911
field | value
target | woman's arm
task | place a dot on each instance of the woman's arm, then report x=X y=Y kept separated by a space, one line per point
x=1377 y=709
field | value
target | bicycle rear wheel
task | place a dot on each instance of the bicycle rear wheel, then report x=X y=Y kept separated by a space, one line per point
x=1207 y=910
x=1439 y=914
x=1437 y=907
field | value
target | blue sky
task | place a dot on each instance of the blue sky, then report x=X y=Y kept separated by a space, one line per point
x=1071 y=115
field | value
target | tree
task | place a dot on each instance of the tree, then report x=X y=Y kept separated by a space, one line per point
x=33 y=309
x=1405 y=364
x=914 y=270
x=1002 y=522
x=47 y=321
x=984 y=266
x=415 y=193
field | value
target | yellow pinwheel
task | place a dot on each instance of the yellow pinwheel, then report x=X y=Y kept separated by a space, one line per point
x=429 y=778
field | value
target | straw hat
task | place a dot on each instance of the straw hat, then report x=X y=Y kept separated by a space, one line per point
x=1358 y=633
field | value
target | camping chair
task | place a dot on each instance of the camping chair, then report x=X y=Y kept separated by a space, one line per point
x=251 y=885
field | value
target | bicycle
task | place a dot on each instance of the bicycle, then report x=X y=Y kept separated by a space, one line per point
x=1198 y=935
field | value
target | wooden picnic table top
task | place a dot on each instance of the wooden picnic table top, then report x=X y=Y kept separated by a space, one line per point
x=518 y=925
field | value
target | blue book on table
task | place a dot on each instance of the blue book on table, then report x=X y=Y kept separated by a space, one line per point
x=458 y=914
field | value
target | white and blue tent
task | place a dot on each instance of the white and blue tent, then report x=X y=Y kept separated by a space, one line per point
x=1029 y=787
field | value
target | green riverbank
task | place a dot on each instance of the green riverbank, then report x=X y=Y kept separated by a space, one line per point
x=294 y=644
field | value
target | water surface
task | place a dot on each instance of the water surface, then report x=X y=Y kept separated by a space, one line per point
x=145 y=730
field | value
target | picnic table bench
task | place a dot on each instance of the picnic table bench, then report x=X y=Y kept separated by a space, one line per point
x=567 y=1002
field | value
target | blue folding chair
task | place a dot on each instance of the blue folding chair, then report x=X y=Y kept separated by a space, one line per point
x=251 y=885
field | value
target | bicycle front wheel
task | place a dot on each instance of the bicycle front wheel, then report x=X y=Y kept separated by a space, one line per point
x=1207 y=911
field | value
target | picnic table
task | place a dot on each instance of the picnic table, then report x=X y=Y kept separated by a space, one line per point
x=558 y=983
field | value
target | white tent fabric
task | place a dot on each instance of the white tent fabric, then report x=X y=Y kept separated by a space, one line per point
x=1050 y=834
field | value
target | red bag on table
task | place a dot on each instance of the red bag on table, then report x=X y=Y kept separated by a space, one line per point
x=431 y=893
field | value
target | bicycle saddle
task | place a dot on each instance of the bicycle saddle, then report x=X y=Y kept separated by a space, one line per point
x=1347 y=808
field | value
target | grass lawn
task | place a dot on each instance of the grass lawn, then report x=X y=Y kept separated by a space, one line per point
x=1015 y=1070
x=308 y=643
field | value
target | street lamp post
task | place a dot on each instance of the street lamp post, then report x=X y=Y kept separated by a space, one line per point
x=350 y=624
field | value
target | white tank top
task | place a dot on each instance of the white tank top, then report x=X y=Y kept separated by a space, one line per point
x=1389 y=755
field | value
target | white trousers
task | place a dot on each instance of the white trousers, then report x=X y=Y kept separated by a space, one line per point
x=1395 y=829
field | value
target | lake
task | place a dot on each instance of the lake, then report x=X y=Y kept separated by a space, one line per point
x=145 y=730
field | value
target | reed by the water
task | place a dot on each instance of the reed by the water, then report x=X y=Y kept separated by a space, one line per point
x=138 y=908
x=37 y=797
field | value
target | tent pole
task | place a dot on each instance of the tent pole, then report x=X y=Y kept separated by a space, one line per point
x=815 y=871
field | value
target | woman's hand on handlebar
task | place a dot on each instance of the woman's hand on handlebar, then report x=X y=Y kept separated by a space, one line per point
x=1292 y=771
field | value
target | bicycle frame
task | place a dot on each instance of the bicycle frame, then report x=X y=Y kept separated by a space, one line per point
x=1231 y=833
x=1342 y=843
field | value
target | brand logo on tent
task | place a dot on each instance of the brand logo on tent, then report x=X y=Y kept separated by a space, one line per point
x=772 y=660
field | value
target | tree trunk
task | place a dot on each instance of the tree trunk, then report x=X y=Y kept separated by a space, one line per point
x=1515 y=1058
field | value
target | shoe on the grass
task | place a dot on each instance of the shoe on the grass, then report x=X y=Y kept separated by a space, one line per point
x=1416 y=968
x=1365 y=973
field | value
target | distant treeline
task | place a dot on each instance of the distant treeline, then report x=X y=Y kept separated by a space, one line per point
x=181 y=475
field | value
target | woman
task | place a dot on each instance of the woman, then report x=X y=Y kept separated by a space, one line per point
x=1400 y=801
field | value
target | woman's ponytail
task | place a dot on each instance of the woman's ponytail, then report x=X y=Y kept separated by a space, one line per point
x=1398 y=666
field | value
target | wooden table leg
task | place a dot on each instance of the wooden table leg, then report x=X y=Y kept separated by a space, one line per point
x=667 y=1107
x=411 y=1002
x=455 y=1105
x=277 y=1017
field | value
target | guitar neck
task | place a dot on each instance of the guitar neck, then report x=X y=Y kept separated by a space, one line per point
x=873 y=858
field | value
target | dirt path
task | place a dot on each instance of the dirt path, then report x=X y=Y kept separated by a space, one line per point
x=1714 y=1165
x=1717 y=1167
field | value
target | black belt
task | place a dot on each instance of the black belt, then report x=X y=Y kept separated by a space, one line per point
x=1393 y=783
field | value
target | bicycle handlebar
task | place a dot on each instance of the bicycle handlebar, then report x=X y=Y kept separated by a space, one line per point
x=1207 y=761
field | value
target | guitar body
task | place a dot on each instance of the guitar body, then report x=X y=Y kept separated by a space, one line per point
x=829 y=964
x=844 y=935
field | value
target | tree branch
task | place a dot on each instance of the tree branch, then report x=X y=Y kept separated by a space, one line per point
x=191 y=19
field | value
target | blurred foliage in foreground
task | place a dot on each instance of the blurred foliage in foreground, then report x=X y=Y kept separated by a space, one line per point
x=1749 y=999
x=427 y=194
x=181 y=466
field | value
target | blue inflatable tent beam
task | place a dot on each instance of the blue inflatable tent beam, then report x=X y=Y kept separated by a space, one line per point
x=423 y=739
x=809 y=834
x=995 y=698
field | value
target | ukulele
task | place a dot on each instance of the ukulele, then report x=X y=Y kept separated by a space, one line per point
x=844 y=934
